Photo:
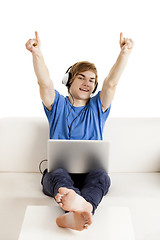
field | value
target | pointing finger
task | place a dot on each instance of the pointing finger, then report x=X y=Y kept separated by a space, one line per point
x=121 y=37
x=37 y=36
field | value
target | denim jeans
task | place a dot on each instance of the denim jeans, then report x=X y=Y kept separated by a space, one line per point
x=91 y=186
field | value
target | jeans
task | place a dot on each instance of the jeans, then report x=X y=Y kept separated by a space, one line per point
x=91 y=186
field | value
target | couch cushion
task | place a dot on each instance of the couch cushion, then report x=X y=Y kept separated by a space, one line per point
x=139 y=192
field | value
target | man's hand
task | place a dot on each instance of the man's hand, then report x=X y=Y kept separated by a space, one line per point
x=33 y=45
x=126 y=44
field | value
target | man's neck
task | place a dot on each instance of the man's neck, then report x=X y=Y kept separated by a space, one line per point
x=78 y=102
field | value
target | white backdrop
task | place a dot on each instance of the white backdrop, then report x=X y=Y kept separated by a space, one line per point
x=72 y=31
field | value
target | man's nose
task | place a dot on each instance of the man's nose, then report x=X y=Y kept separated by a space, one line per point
x=86 y=82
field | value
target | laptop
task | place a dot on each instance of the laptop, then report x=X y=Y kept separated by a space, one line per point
x=78 y=156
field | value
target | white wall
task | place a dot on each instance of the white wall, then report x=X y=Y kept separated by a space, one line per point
x=72 y=31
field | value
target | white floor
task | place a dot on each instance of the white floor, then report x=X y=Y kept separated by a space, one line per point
x=139 y=192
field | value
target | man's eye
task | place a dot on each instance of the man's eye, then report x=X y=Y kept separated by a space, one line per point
x=80 y=78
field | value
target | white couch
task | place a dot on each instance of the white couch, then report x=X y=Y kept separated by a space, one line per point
x=134 y=171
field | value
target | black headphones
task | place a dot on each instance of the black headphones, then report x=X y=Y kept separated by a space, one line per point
x=68 y=76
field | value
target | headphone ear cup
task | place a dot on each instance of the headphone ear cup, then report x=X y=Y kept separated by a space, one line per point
x=95 y=88
x=65 y=79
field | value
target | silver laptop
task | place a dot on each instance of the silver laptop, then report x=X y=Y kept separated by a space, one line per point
x=78 y=156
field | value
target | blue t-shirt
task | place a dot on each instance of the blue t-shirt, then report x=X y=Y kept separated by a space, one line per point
x=76 y=123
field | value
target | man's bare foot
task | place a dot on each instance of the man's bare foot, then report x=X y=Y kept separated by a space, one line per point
x=70 y=201
x=75 y=220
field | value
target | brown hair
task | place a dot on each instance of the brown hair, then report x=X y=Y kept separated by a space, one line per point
x=82 y=67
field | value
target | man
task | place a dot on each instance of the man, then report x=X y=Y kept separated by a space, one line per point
x=78 y=116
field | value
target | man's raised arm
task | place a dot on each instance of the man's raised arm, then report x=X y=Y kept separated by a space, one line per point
x=46 y=86
x=111 y=81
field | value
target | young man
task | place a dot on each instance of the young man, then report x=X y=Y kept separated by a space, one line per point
x=78 y=116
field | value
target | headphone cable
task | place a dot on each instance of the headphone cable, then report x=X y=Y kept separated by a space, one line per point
x=45 y=160
x=70 y=110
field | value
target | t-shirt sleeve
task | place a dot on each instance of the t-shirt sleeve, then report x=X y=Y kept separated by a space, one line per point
x=50 y=113
x=97 y=107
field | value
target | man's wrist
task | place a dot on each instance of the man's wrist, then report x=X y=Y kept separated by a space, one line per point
x=125 y=54
x=37 y=54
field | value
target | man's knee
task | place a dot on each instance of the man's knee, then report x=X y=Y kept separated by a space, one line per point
x=59 y=171
x=102 y=179
x=49 y=176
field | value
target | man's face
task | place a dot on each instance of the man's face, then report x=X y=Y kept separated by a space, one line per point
x=83 y=85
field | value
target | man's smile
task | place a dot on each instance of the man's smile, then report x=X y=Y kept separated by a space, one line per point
x=84 y=89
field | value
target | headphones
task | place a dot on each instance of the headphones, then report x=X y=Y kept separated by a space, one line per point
x=68 y=76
